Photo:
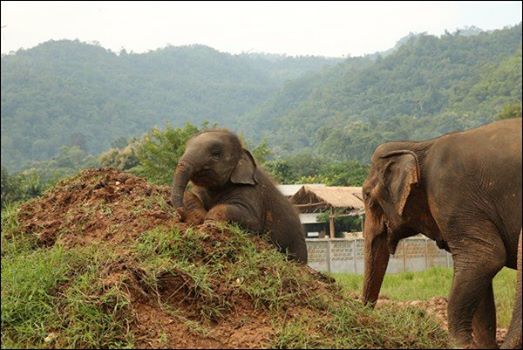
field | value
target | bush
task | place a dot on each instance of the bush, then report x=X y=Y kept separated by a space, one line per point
x=20 y=187
x=159 y=151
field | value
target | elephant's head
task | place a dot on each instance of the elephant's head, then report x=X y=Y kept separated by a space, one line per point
x=392 y=177
x=213 y=159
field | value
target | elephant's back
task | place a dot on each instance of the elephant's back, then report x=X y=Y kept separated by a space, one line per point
x=282 y=218
x=478 y=172
x=279 y=209
x=492 y=150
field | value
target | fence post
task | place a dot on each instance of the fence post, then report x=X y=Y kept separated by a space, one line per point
x=329 y=255
x=404 y=255
x=426 y=253
x=355 y=267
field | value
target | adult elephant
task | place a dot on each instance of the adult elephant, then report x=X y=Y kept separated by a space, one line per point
x=229 y=186
x=462 y=190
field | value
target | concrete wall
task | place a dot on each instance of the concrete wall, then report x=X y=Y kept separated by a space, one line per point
x=346 y=255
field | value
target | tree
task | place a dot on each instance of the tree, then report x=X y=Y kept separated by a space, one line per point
x=6 y=186
x=262 y=152
x=122 y=158
x=512 y=110
x=159 y=151
x=20 y=187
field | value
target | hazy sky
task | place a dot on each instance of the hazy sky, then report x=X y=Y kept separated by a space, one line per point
x=293 y=28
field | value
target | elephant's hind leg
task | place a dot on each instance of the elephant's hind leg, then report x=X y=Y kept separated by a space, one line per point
x=478 y=257
x=513 y=340
x=484 y=322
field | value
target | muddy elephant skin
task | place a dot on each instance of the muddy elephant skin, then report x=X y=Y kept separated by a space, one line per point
x=462 y=190
x=229 y=186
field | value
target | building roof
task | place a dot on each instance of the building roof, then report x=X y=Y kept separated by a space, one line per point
x=290 y=190
x=349 y=198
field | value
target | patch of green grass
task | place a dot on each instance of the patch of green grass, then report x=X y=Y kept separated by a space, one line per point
x=407 y=327
x=207 y=263
x=266 y=276
x=350 y=325
x=55 y=298
x=171 y=244
x=193 y=326
x=405 y=286
x=154 y=201
x=13 y=241
x=98 y=315
x=165 y=255
x=504 y=294
x=269 y=280
x=28 y=303
x=435 y=282
x=105 y=209
x=163 y=339
x=296 y=334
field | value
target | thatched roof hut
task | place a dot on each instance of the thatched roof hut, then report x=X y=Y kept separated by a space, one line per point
x=340 y=201
x=290 y=190
x=312 y=199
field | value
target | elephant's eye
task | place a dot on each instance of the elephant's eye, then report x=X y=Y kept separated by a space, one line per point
x=216 y=153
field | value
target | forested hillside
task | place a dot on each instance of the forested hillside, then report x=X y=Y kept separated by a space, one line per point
x=77 y=94
x=69 y=93
x=425 y=87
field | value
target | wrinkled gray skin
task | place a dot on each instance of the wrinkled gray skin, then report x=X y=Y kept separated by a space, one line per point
x=462 y=190
x=229 y=186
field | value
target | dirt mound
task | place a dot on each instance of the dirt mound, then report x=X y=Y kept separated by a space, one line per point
x=111 y=208
x=165 y=284
x=97 y=205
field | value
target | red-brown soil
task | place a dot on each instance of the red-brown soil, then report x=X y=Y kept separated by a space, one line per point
x=99 y=205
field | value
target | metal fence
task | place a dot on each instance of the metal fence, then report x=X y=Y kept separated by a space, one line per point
x=346 y=255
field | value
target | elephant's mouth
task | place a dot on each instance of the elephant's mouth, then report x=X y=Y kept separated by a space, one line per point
x=204 y=178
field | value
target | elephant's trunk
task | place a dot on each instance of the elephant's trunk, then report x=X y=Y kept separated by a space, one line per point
x=376 y=260
x=183 y=173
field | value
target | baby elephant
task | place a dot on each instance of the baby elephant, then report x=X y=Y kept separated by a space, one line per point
x=228 y=186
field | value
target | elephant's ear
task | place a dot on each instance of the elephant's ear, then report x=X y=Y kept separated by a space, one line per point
x=245 y=170
x=401 y=174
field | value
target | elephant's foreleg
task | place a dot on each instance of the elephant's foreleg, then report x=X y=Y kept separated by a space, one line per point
x=194 y=210
x=234 y=213
x=475 y=264
x=484 y=322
